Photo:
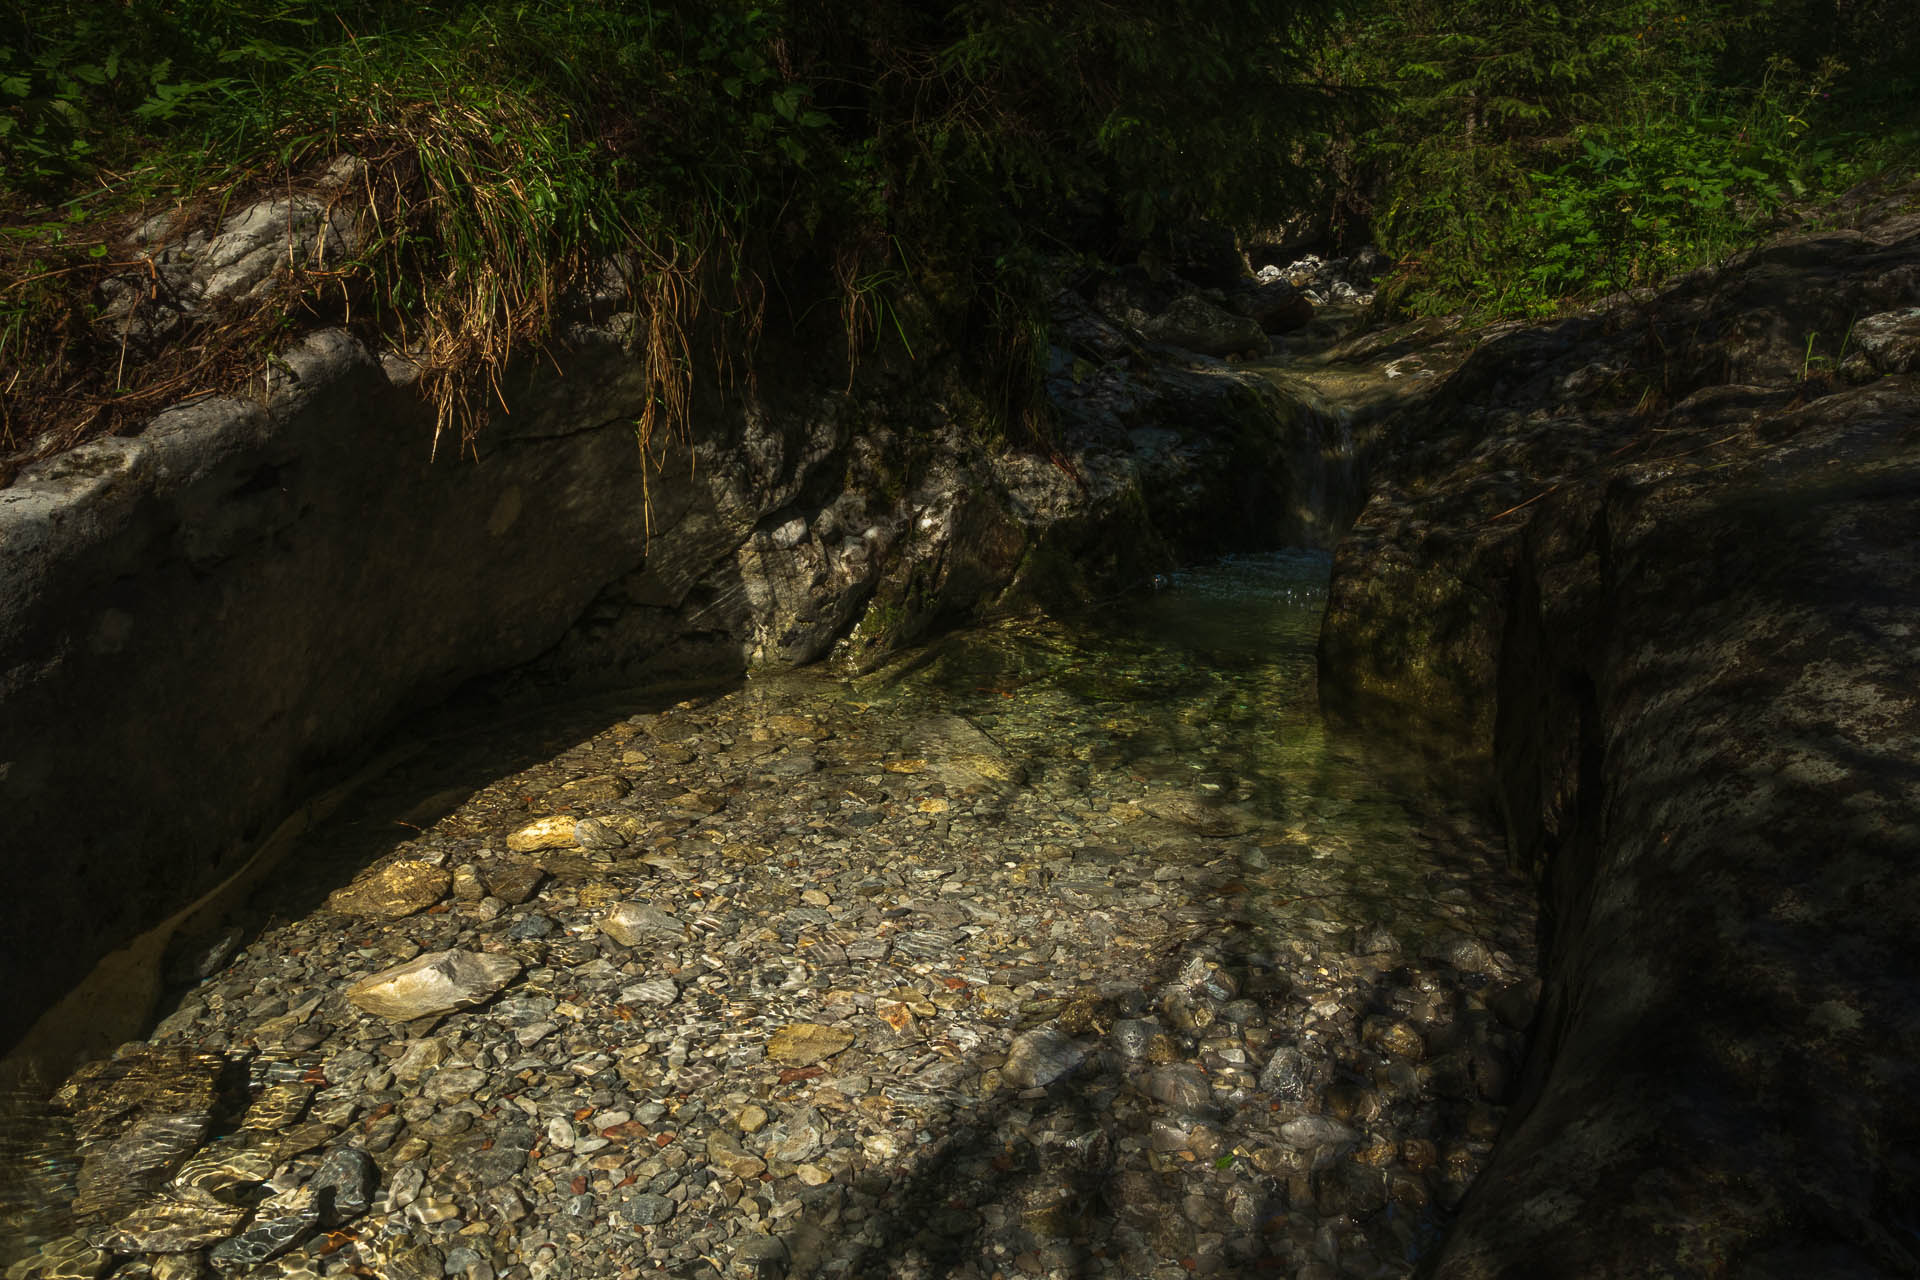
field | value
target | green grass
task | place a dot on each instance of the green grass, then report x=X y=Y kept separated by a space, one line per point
x=1536 y=157
x=906 y=164
x=506 y=148
x=921 y=170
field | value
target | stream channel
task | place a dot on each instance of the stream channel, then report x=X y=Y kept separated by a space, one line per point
x=1063 y=947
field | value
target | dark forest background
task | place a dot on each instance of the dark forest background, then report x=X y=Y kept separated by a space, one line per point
x=922 y=173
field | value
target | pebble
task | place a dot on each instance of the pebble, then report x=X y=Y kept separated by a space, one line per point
x=1182 y=1087
x=724 y=1154
x=803 y=1044
x=515 y=883
x=345 y=1182
x=647 y=1210
x=632 y=923
x=278 y=1224
x=1285 y=1075
x=1316 y=1131
x=591 y=833
x=839 y=977
x=1040 y=1057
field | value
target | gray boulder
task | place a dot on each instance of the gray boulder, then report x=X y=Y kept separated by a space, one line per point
x=1195 y=324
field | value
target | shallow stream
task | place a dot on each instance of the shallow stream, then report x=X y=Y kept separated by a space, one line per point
x=1061 y=947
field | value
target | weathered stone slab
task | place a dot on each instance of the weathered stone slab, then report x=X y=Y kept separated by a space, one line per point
x=802 y=1044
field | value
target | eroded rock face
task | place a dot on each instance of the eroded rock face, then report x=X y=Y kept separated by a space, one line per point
x=1681 y=642
x=177 y=278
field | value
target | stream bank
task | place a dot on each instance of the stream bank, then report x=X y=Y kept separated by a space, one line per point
x=1646 y=577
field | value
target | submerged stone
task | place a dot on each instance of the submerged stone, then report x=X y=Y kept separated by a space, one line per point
x=395 y=891
x=632 y=923
x=437 y=982
x=647 y=1210
x=543 y=833
x=1316 y=1131
x=1041 y=1056
x=278 y=1225
x=167 y=1225
x=515 y=882
x=802 y=1044
x=345 y=1183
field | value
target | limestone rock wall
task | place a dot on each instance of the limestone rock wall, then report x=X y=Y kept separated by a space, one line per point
x=1647 y=576
x=202 y=623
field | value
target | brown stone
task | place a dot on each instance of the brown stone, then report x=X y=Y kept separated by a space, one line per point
x=394 y=891
x=801 y=1044
x=554 y=832
x=1392 y=1036
x=604 y=787
x=514 y=882
x=724 y=1154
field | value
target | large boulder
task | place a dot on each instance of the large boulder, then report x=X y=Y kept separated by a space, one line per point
x=1275 y=305
x=1194 y=324
x=1648 y=577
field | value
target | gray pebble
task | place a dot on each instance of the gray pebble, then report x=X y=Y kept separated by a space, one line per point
x=647 y=1210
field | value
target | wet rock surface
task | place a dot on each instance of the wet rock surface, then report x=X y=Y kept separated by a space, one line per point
x=1650 y=571
x=1055 y=950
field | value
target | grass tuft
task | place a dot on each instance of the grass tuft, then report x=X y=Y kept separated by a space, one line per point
x=912 y=163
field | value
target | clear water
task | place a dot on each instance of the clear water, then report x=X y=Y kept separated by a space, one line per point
x=1206 y=688
x=1194 y=704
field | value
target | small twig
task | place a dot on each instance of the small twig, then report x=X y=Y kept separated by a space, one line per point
x=1712 y=444
x=64 y=271
x=1551 y=489
x=1529 y=502
x=120 y=370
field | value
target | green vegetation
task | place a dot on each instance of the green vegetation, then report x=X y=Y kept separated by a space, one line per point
x=908 y=164
x=1537 y=152
x=920 y=172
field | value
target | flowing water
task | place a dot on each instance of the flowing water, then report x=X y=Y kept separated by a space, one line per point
x=1060 y=947
x=1204 y=688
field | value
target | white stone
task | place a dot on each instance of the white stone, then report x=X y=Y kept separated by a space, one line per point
x=1316 y=1131
x=436 y=982
x=543 y=833
x=1040 y=1057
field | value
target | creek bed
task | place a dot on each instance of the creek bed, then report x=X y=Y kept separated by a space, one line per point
x=1063 y=947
